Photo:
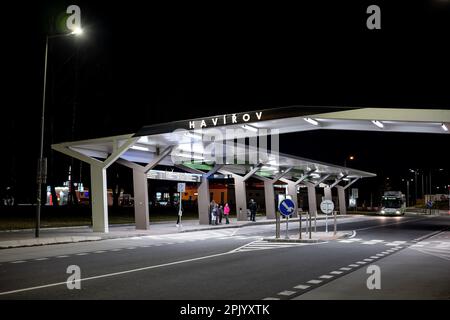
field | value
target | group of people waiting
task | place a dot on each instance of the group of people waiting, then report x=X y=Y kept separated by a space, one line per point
x=217 y=212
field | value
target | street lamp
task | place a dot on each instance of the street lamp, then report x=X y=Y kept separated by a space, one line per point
x=349 y=158
x=42 y=164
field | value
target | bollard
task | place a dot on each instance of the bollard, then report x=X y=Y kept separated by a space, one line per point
x=335 y=225
x=300 y=225
x=310 y=226
x=277 y=228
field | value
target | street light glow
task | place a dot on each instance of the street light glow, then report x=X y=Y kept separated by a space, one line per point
x=77 y=31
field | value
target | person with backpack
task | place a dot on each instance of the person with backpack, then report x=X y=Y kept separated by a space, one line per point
x=226 y=213
x=253 y=207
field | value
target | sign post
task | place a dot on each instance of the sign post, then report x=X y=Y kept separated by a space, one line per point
x=327 y=207
x=181 y=187
x=287 y=208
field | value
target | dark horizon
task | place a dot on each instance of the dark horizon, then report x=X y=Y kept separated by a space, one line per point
x=140 y=65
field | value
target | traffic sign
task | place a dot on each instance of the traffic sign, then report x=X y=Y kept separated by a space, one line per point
x=355 y=193
x=327 y=206
x=430 y=204
x=287 y=207
x=181 y=187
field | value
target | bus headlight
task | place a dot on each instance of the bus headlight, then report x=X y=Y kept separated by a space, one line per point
x=397 y=212
x=383 y=212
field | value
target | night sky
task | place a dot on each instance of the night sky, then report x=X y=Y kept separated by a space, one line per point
x=141 y=63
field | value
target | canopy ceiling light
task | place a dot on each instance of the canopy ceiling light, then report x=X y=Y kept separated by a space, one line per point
x=311 y=121
x=379 y=124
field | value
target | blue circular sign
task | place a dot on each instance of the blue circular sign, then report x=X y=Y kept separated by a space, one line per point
x=287 y=207
x=430 y=204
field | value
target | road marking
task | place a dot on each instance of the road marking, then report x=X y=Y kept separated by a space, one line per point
x=286 y=293
x=60 y=257
x=326 y=276
x=380 y=254
x=373 y=257
x=40 y=259
x=314 y=281
x=115 y=250
x=271 y=299
x=368 y=260
x=353 y=265
x=131 y=248
x=302 y=287
x=100 y=251
x=346 y=269
x=361 y=262
x=16 y=262
x=108 y=275
x=336 y=272
x=394 y=223
x=82 y=254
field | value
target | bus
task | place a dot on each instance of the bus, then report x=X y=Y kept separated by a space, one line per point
x=393 y=202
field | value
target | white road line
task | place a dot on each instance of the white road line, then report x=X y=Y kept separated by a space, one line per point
x=271 y=299
x=373 y=257
x=326 y=276
x=60 y=257
x=131 y=248
x=82 y=254
x=380 y=254
x=395 y=223
x=368 y=260
x=336 y=272
x=361 y=262
x=302 y=287
x=108 y=275
x=115 y=250
x=100 y=251
x=353 y=265
x=345 y=269
x=20 y=261
x=286 y=293
x=41 y=259
x=315 y=281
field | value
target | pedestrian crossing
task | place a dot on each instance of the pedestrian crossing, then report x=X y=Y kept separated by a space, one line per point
x=374 y=242
x=266 y=245
x=197 y=236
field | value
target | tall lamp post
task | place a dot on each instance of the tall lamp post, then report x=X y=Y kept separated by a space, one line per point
x=42 y=163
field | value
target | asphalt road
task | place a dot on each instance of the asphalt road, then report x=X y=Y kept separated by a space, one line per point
x=225 y=264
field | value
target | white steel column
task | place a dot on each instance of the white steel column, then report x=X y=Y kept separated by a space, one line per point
x=140 y=189
x=342 y=200
x=241 y=197
x=312 y=200
x=99 y=196
x=99 y=199
x=269 y=195
x=327 y=193
x=203 y=200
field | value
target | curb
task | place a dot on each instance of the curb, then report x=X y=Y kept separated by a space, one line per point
x=344 y=236
x=11 y=244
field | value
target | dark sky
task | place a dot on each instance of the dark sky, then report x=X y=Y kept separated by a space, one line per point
x=141 y=63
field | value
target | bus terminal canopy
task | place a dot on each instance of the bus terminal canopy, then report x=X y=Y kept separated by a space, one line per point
x=217 y=145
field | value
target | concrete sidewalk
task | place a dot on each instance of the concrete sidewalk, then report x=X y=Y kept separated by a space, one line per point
x=25 y=238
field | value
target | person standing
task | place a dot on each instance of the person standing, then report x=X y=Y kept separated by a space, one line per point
x=220 y=214
x=215 y=214
x=212 y=205
x=253 y=207
x=226 y=213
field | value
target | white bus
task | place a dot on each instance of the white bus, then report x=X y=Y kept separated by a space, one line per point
x=393 y=202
